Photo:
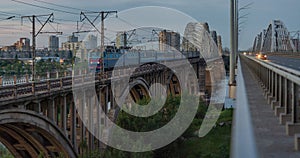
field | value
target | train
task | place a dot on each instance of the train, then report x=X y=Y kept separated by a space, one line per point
x=126 y=56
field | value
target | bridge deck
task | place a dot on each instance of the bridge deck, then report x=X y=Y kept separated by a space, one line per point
x=271 y=139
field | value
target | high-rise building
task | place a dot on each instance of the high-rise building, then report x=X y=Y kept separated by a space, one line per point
x=76 y=47
x=23 y=44
x=121 y=40
x=26 y=44
x=53 y=43
x=169 y=40
x=90 y=42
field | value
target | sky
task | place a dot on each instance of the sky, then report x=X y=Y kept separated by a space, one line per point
x=179 y=12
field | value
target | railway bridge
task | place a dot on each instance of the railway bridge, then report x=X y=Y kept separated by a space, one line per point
x=41 y=117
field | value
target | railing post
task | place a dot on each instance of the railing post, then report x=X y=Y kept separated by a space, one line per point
x=33 y=88
x=286 y=94
x=1 y=81
x=272 y=84
x=293 y=127
x=294 y=108
x=280 y=95
x=276 y=87
x=269 y=81
x=49 y=85
x=15 y=91
x=26 y=78
x=15 y=79
x=286 y=116
x=61 y=83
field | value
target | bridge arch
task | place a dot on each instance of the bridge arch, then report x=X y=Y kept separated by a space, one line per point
x=28 y=134
x=173 y=85
x=139 y=88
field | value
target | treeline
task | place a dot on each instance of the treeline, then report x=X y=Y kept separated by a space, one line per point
x=215 y=144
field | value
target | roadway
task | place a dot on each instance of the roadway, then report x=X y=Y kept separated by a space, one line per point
x=287 y=61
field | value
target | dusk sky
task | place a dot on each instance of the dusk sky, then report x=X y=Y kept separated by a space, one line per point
x=215 y=12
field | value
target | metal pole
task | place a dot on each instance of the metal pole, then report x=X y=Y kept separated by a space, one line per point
x=102 y=40
x=103 y=14
x=232 y=44
x=102 y=31
x=33 y=47
x=233 y=41
x=34 y=35
x=236 y=29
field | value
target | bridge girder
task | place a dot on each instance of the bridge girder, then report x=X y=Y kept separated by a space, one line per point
x=276 y=38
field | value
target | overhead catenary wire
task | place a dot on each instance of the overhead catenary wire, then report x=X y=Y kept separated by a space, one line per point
x=53 y=9
x=64 y=22
x=43 y=7
x=134 y=25
x=64 y=11
x=9 y=13
x=63 y=6
x=2 y=14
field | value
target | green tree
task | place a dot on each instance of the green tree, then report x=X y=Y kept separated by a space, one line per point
x=215 y=144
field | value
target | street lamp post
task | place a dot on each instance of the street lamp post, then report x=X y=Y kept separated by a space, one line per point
x=233 y=45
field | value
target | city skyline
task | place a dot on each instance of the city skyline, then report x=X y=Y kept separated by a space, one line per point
x=215 y=12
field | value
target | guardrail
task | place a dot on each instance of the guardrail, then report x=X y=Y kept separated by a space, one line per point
x=282 y=90
x=294 y=54
x=243 y=141
x=13 y=80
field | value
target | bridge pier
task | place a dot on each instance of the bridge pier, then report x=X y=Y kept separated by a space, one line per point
x=74 y=126
x=91 y=104
x=51 y=110
x=98 y=118
x=64 y=114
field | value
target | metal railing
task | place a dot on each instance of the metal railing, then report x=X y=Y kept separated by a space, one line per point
x=282 y=90
x=243 y=141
